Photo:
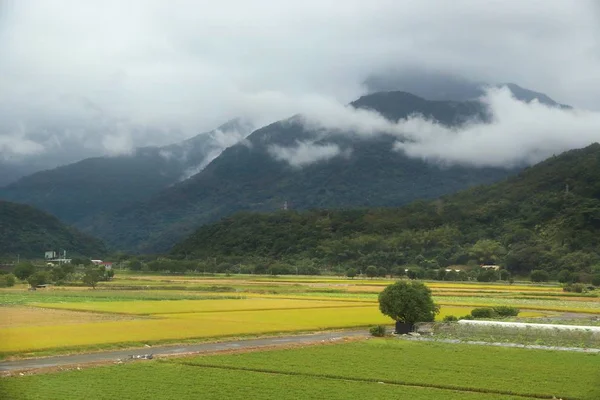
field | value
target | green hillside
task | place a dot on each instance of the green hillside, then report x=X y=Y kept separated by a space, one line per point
x=546 y=217
x=29 y=232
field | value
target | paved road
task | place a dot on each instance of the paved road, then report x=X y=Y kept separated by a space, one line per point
x=57 y=361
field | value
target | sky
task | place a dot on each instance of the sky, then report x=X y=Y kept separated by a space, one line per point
x=80 y=78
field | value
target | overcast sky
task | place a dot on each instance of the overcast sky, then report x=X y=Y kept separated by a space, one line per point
x=104 y=76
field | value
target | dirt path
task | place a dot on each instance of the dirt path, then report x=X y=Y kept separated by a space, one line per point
x=113 y=356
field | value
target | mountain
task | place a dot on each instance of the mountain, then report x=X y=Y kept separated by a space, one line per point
x=446 y=87
x=545 y=217
x=29 y=232
x=102 y=184
x=350 y=171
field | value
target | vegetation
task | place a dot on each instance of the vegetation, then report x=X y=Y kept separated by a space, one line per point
x=28 y=232
x=7 y=280
x=524 y=372
x=408 y=302
x=102 y=184
x=175 y=381
x=378 y=331
x=545 y=218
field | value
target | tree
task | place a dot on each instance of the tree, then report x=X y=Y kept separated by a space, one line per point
x=371 y=271
x=487 y=251
x=564 y=276
x=408 y=302
x=24 y=270
x=38 y=278
x=539 y=275
x=596 y=280
x=91 y=277
x=135 y=265
x=351 y=272
x=7 y=280
x=382 y=272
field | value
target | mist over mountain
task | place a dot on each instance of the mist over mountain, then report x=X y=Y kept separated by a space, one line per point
x=300 y=162
x=443 y=86
x=101 y=184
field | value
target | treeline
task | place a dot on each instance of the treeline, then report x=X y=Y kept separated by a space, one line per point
x=79 y=271
x=546 y=218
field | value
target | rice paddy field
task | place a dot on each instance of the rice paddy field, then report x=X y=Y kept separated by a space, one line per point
x=376 y=368
x=137 y=310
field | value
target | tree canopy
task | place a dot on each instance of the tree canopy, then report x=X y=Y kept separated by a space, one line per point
x=408 y=302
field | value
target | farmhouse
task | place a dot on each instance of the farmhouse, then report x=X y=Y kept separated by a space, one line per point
x=492 y=267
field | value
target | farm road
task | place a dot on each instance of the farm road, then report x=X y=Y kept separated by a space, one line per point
x=81 y=359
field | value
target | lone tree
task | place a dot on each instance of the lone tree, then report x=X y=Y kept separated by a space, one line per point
x=407 y=303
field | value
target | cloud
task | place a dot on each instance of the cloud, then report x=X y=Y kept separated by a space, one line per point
x=305 y=153
x=519 y=134
x=14 y=146
x=79 y=74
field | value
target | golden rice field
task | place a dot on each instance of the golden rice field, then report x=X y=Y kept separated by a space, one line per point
x=138 y=309
x=198 y=306
x=188 y=324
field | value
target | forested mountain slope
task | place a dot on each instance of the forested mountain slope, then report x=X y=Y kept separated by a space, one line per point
x=80 y=190
x=29 y=232
x=545 y=217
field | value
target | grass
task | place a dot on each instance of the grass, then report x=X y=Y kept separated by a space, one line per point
x=174 y=381
x=451 y=366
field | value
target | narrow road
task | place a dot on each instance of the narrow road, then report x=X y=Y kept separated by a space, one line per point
x=80 y=359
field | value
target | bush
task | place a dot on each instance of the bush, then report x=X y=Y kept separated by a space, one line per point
x=450 y=318
x=351 y=272
x=506 y=311
x=575 y=288
x=483 y=312
x=38 y=278
x=7 y=280
x=378 y=331
x=539 y=275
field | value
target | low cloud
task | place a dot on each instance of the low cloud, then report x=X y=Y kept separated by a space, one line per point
x=305 y=153
x=13 y=146
x=519 y=133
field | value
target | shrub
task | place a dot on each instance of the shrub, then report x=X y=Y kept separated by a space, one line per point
x=539 y=275
x=483 y=312
x=450 y=318
x=351 y=272
x=7 y=280
x=468 y=317
x=38 y=278
x=378 y=331
x=564 y=276
x=506 y=311
x=575 y=288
